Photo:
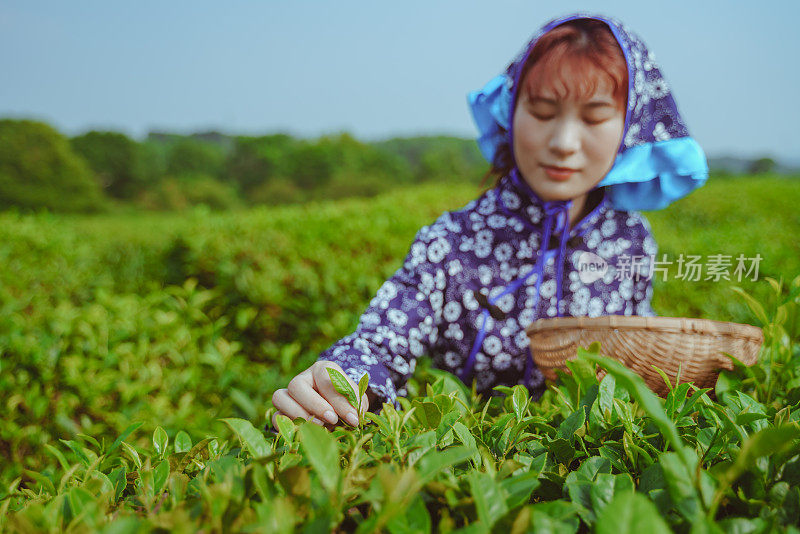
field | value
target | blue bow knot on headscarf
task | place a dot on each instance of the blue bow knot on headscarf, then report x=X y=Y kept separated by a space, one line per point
x=657 y=161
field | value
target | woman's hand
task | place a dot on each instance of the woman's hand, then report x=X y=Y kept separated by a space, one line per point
x=311 y=395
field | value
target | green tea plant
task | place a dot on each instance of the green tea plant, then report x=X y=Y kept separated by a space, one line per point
x=604 y=455
x=135 y=367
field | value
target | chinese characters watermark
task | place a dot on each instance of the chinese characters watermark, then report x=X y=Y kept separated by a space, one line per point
x=691 y=268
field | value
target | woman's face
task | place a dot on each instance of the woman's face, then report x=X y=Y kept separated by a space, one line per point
x=579 y=134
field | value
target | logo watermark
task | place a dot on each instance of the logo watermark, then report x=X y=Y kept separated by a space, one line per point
x=691 y=268
x=591 y=267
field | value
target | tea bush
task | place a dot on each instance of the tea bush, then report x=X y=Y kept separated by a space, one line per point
x=138 y=354
x=608 y=456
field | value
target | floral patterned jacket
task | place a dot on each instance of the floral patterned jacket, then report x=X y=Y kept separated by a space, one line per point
x=475 y=278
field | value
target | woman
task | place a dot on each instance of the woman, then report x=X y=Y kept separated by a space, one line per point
x=581 y=131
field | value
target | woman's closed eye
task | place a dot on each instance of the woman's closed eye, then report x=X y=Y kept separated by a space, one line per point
x=592 y=122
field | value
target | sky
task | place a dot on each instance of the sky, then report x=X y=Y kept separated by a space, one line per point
x=374 y=69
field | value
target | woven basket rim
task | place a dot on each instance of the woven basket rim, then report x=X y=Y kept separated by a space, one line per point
x=689 y=325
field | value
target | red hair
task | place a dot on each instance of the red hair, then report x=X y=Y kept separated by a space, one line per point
x=574 y=56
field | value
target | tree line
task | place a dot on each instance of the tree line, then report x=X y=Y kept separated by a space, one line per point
x=101 y=171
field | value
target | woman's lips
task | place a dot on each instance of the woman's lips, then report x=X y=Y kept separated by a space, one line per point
x=558 y=174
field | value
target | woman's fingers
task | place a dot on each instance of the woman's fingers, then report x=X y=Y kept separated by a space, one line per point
x=302 y=390
x=289 y=407
x=323 y=384
x=311 y=395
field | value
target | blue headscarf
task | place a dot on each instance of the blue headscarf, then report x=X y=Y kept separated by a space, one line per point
x=657 y=161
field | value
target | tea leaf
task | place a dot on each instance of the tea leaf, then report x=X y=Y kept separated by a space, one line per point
x=466 y=437
x=252 y=439
x=631 y=513
x=322 y=453
x=77 y=449
x=285 y=427
x=45 y=482
x=416 y=519
x=59 y=456
x=606 y=395
x=768 y=441
x=754 y=305
x=118 y=478
x=363 y=383
x=571 y=424
x=428 y=413
x=78 y=499
x=490 y=499
x=133 y=454
x=606 y=487
x=199 y=449
x=434 y=461
x=519 y=488
x=519 y=400
x=91 y=440
x=182 y=442
x=646 y=398
x=342 y=386
x=160 y=476
x=160 y=441
x=125 y=433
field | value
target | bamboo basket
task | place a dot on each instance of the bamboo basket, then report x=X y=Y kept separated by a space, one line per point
x=696 y=345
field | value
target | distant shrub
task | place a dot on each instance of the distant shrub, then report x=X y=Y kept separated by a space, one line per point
x=191 y=189
x=39 y=170
x=278 y=191
x=115 y=160
x=189 y=155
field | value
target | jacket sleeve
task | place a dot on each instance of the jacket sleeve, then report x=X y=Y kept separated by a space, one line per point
x=401 y=322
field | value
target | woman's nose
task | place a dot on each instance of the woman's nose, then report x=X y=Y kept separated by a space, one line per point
x=565 y=139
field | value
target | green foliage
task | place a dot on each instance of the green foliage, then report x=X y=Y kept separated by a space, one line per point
x=342 y=386
x=38 y=170
x=172 y=172
x=138 y=354
x=254 y=160
x=115 y=160
x=746 y=216
x=438 y=157
x=762 y=165
x=330 y=167
x=191 y=156
x=483 y=466
x=187 y=190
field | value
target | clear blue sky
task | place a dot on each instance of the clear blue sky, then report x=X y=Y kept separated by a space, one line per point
x=375 y=69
